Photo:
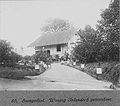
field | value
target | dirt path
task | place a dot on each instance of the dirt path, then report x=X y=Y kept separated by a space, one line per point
x=59 y=77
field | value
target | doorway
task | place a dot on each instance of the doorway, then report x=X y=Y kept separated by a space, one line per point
x=48 y=52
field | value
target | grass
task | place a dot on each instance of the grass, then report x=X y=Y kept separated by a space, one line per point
x=108 y=69
x=19 y=72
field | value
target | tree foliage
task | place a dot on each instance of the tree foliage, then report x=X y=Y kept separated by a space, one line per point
x=7 y=56
x=88 y=49
x=56 y=25
x=40 y=56
x=108 y=28
x=27 y=58
x=101 y=44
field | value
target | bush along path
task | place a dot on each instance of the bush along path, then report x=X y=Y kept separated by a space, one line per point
x=110 y=71
x=19 y=71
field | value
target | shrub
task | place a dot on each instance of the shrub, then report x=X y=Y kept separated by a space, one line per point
x=19 y=72
x=112 y=73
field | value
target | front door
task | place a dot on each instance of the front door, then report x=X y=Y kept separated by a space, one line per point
x=48 y=52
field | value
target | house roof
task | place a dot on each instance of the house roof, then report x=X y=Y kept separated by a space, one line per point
x=53 y=38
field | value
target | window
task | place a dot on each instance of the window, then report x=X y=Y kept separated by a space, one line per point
x=58 y=48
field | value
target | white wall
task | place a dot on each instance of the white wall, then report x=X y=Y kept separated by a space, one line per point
x=53 y=49
x=64 y=47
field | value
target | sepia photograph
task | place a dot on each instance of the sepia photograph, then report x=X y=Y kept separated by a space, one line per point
x=59 y=45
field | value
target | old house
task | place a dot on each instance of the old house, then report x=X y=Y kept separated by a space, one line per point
x=56 y=43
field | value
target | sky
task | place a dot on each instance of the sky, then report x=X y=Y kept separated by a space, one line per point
x=20 y=21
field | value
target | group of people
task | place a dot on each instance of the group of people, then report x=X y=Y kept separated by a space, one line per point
x=46 y=64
